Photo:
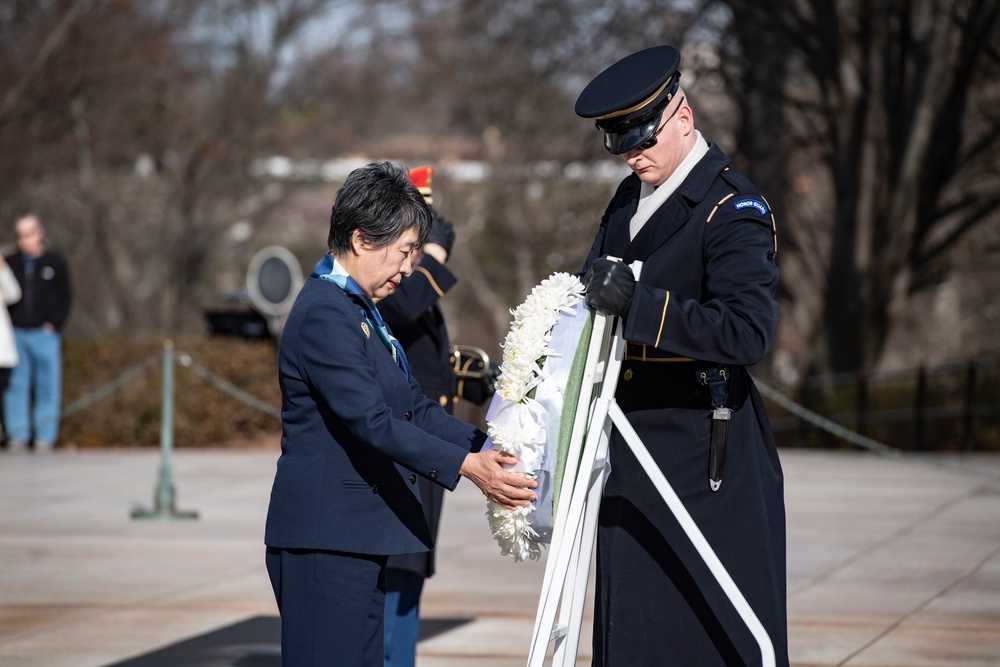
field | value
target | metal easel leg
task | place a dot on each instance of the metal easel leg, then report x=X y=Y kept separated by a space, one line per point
x=586 y=489
x=575 y=532
x=694 y=534
x=571 y=611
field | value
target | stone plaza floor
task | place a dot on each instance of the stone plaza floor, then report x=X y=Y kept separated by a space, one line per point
x=891 y=563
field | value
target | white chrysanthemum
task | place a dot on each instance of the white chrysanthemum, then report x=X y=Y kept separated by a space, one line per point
x=508 y=440
x=512 y=532
x=524 y=349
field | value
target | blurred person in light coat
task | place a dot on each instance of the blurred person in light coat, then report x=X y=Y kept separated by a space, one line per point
x=10 y=293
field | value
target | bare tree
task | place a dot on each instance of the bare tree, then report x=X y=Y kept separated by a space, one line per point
x=495 y=82
x=892 y=147
x=137 y=122
x=872 y=128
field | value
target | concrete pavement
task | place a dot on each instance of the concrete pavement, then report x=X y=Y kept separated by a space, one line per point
x=890 y=563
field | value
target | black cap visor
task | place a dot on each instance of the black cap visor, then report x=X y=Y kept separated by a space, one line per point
x=618 y=141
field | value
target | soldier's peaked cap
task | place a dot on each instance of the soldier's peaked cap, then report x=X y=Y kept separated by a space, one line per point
x=633 y=89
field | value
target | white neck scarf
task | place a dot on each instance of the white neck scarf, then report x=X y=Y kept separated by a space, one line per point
x=651 y=198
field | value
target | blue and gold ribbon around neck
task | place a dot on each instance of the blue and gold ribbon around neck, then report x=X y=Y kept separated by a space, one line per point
x=329 y=269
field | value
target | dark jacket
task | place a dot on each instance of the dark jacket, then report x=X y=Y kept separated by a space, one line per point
x=356 y=436
x=416 y=320
x=45 y=291
x=705 y=298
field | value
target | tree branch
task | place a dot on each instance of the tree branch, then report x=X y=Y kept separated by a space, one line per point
x=51 y=43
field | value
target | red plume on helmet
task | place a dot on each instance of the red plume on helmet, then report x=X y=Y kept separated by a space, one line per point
x=421 y=178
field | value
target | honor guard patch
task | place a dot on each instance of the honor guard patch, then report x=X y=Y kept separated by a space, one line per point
x=364 y=327
x=751 y=203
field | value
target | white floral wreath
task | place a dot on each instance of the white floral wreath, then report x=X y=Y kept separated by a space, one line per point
x=516 y=422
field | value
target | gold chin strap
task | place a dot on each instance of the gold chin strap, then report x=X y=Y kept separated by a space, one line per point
x=623 y=112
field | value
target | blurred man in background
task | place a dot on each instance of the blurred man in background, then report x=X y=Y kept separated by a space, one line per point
x=32 y=401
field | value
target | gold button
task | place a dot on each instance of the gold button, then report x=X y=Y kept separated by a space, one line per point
x=443 y=401
x=628 y=374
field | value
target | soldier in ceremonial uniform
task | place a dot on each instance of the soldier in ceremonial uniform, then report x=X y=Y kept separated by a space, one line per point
x=702 y=310
x=413 y=314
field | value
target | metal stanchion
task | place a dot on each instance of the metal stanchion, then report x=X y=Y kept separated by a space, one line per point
x=165 y=497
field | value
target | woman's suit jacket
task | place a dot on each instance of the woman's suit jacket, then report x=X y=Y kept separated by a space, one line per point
x=356 y=434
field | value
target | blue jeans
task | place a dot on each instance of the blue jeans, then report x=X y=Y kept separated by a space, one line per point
x=402 y=604
x=39 y=368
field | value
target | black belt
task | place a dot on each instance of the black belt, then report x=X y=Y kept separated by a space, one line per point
x=678 y=382
x=649 y=385
x=642 y=352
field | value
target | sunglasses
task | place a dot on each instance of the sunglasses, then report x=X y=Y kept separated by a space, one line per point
x=642 y=136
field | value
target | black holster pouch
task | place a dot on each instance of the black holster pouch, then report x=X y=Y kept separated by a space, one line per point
x=716 y=379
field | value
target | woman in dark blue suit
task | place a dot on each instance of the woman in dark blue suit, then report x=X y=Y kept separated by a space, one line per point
x=357 y=432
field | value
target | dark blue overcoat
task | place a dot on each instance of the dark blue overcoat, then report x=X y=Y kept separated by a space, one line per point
x=705 y=297
x=413 y=314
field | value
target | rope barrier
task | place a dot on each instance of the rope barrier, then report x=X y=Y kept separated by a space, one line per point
x=101 y=392
x=769 y=392
x=856 y=438
x=96 y=395
x=164 y=495
x=185 y=360
x=234 y=391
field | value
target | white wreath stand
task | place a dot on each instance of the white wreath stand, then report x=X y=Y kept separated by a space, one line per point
x=567 y=571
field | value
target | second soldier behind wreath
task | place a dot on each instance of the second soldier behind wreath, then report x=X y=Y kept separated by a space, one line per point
x=701 y=312
x=414 y=315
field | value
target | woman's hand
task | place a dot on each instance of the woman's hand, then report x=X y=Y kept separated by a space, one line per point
x=485 y=470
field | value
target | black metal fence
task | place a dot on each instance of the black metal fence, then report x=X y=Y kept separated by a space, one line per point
x=951 y=407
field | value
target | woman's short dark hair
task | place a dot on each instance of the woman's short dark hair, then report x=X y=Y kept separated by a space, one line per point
x=380 y=201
